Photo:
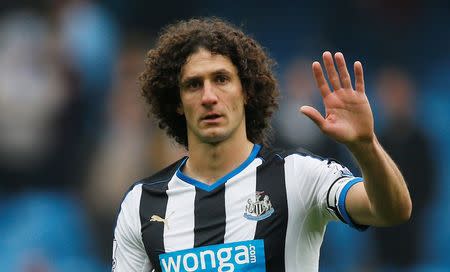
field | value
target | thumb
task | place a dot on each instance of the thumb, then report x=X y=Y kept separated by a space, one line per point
x=313 y=114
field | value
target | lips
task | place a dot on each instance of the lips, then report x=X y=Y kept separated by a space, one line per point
x=211 y=116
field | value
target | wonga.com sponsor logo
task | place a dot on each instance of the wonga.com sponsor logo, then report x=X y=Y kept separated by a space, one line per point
x=238 y=256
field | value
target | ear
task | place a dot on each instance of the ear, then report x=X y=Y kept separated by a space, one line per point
x=180 y=109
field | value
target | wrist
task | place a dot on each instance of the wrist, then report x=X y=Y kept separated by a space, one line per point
x=363 y=147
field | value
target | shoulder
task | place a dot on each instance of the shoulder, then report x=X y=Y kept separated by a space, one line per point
x=160 y=179
x=301 y=160
x=157 y=181
x=268 y=154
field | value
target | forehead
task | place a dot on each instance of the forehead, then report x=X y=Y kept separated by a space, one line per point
x=203 y=62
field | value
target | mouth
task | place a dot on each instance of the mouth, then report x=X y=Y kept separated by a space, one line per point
x=213 y=117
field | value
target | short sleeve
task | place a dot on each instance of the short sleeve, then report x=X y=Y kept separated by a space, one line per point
x=129 y=254
x=328 y=183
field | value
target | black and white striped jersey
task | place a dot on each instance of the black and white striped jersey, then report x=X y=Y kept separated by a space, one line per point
x=269 y=214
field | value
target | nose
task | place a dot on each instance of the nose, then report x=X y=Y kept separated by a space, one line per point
x=209 y=96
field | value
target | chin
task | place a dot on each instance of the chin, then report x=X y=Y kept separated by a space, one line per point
x=214 y=140
x=214 y=137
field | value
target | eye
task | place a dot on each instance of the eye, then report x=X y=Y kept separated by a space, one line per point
x=192 y=85
x=222 y=79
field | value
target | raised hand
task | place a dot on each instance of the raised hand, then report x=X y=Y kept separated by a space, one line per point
x=348 y=116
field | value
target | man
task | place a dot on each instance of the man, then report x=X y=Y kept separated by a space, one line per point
x=233 y=204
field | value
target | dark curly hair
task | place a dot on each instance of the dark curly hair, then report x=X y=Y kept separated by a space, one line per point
x=160 y=82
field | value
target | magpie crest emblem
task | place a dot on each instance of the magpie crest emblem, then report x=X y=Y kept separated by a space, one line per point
x=258 y=208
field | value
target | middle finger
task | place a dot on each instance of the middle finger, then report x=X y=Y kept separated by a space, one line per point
x=332 y=74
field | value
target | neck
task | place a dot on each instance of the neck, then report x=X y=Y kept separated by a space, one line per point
x=208 y=162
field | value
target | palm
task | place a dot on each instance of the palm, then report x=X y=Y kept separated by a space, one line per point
x=348 y=117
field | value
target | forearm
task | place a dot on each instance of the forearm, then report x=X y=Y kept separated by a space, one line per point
x=384 y=184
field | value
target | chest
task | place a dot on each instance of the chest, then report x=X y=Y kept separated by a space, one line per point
x=250 y=207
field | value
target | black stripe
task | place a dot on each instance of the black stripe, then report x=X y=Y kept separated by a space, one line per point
x=154 y=202
x=270 y=180
x=209 y=217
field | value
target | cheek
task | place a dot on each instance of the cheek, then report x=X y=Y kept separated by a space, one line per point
x=189 y=113
x=187 y=107
x=237 y=106
x=240 y=102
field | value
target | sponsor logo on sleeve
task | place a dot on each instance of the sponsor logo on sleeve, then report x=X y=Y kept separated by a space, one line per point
x=339 y=169
x=238 y=256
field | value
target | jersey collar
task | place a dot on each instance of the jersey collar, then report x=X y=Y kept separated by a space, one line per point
x=223 y=179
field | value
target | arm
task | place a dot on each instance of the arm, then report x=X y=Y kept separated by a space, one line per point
x=128 y=250
x=383 y=199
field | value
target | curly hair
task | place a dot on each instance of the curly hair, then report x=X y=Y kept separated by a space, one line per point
x=160 y=81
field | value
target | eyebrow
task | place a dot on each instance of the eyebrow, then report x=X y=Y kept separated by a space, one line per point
x=221 y=71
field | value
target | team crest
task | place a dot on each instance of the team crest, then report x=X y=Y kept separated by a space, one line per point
x=258 y=208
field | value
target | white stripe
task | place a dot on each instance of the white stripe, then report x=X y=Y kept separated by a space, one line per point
x=304 y=234
x=238 y=190
x=179 y=217
x=128 y=248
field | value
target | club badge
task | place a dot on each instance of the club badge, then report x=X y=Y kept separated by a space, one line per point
x=258 y=208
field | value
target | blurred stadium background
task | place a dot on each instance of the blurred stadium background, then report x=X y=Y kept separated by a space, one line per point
x=74 y=131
